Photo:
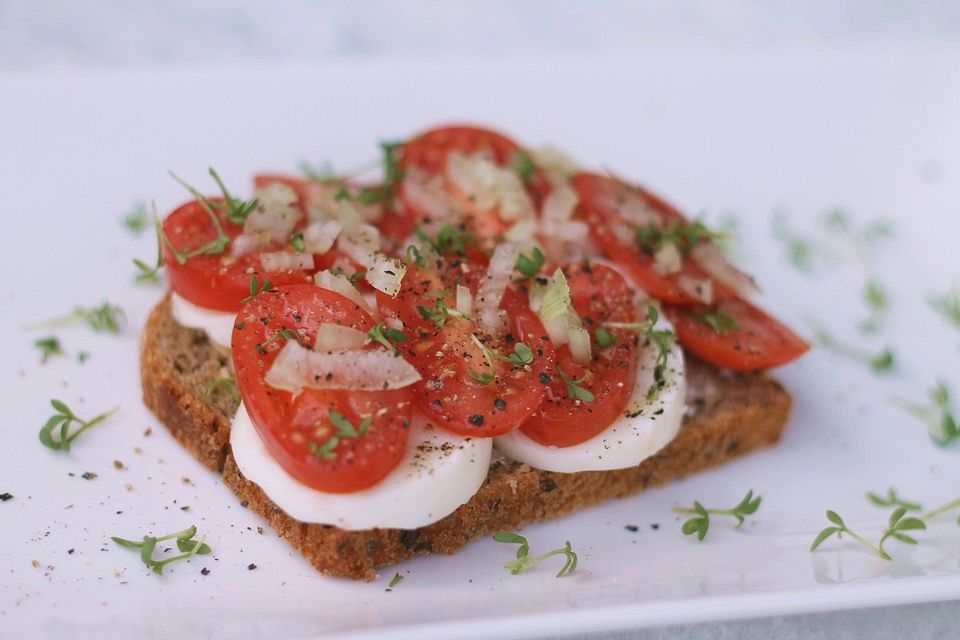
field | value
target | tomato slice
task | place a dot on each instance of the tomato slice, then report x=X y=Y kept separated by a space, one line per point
x=602 y=204
x=599 y=294
x=221 y=281
x=755 y=341
x=447 y=355
x=291 y=426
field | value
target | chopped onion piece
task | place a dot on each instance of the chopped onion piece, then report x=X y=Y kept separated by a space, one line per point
x=667 y=259
x=624 y=233
x=297 y=367
x=276 y=213
x=699 y=288
x=349 y=216
x=567 y=230
x=338 y=283
x=337 y=337
x=495 y=282
x=489 y=186
x=711 y=258
x=464 y=300
x=538 y=288
x=578 y=338
x=634 y=209
x=248 y=243
x=560 y=204
x=522 y=230
x=385 y=274
x=318 y=237
x=557 y=165
x=555 y=308
x=427 y=194
x=285 y=260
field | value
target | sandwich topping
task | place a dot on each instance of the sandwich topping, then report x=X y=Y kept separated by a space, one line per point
x=386 y=336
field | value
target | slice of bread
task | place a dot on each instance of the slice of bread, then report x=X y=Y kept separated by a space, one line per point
x=728 y=415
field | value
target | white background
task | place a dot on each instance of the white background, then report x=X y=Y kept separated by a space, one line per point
x=40 y=38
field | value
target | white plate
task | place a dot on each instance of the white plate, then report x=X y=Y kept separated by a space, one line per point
x=875 y=132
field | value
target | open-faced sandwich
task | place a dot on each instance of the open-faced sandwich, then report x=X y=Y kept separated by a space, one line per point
x=484 y=337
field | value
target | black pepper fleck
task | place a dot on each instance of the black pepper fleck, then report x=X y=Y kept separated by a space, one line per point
x=251 y=567
x=204 y=571
x=500 y=404
x=476 y=420
x=544 y=378
x=88 y=475
x=6 y=496
x=631 y=527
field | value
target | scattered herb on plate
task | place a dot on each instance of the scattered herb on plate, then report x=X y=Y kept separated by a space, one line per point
x=184 y=540
x=56 y=434
x=939 y=417
x=699 y=524
x=525 y=562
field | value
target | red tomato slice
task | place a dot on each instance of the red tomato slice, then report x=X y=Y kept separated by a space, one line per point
x=758 y=341
x=221 y=281
x=445 y=357
x=599 y=294
x=600 y=199
x=289 y=425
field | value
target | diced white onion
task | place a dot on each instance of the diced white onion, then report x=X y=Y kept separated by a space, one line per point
x=568 y=230
x=427 y=194
x=489 y=186
x=700 y=289
x=338 y=283
x=560 y=204
x=297 y=367
x=494 y=283
x=336 y=337
x=522 y=231
x=555 y=308
x=348 y=215
x=322 y=202
x=248 y=243
x=578 y=338
x=385 y=274
x=624 y=233
x=318 y=237
x=285 y=260
x=464 y=300
x=538 y=288
x=635 y=210
x=276 y=213
x=557 y=165
x=711 y=258
x=393 y=322
x=667 y=259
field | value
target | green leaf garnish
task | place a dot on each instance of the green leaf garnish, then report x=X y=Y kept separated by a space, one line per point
x=881 y=362
x=56 y=434
x=449 y=239
x=939 y=417
x=214 y=247
x=438 y=315
x=839 y=527
x=685 y=236
x=237 y=209
x=296 y=241
x=800 y=250
x=136 y=220
x=875 y=297
x=397 y=579
x=282 y=334
x=184 y=540
x=324 y=173
x=345 y=429
x=530 y=266
x=227 y=385
x=663 y=339
x=524 y=166
x=147 y=274
x=893 y=500
x=107 y=318
x=574 y=390
x=948 y=304
x=414 y=255
x=721 y=323
x=604 y=338
x=524 y=562
x=700 y=523
x=387 y=337
x=898 y=524
x=256 y=288
x=49 y=347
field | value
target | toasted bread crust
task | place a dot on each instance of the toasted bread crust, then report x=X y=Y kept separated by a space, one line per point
x=728 y=416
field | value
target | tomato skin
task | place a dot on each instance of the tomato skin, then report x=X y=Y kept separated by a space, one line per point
x=429 y=149
x=446 y=356
x=597 y=193
x=217 y=282
x=599 y=294
x=287 y=424
x=759 y=341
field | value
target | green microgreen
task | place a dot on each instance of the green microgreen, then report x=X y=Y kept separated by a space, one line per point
x=449 y=239
x=574 y=390
x=214 y=247
x=523 y=165
x=938 y=415
x=838 y=528
x=184 y=540
x=491 y=375
x=530 y=265
x=896 y=526
x=604 y=338
x=525 y=562
x=256 y=288
x=227 y=384
x=891 y=499
x=387 y=337
x=136 y=219
x=56 y=434
x=944 y=508
x=663 y=339
x=282 y=334
x=700 y=523
x=49 y=347
x=107 y=318
x=147 y=274
x=323 y=173
x=345 y=429
x=721 y=323
x=800 y=249
x=237 y=209
x=877 y=301
x=881 y=362
x=395 y=581
x=414 y=255
x=948 y=304
x=438 y=315
x=296 y=241
x=685 y=236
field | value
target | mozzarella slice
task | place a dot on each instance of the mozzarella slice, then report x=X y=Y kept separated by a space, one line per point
x=217 y=324
x=440 y=472
x=645 y=427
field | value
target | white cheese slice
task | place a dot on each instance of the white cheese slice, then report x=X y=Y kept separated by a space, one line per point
x=217 y=324
x=440 y=472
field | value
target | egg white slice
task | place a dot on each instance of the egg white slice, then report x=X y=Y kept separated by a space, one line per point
x=217 y=324
x=645 y=427
x=440 y=472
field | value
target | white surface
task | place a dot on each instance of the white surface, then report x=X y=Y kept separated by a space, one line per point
x=630 y=439
x=874 y=131
x=439 y=473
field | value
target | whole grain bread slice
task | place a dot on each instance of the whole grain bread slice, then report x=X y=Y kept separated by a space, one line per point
x=729 y=414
